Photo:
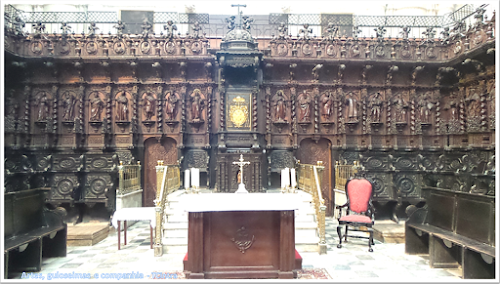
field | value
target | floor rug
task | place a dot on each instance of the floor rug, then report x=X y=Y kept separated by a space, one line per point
x=308 y=273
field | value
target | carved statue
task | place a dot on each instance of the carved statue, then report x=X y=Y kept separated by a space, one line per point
x=171 y=106
x=196 y=105
x=92 y=29
x=380 y=31
x=282 y=31
x=406 y=30
x=355 y=31
x=331 y=31
x=149 y=105
x=473 y=103
x=426 y=105
x=280 y=106
x=230 y=23
x=42 y=102
x=120 y=26
x=69 y=102
x=65 y=29
x=352 y=107
x=304 y=33
x=429 y=32
x=146 y=28
x=196 y=30
x=326 y=105
x=400 y=106
x=96 y=107
x=18 y=24
x=315 y=71
x=446 y=33
x=122 y=107
x=12 y=105
x=247 y=22
x=376 y=106
x=170 y=28
x=39 y=29
x=304 y=100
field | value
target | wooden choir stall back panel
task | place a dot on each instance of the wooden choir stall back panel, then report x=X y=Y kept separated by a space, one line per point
x=236 y=236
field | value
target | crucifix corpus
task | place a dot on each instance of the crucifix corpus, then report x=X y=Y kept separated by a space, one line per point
x=241 y=185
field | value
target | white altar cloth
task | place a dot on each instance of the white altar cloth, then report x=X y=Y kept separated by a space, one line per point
x=242 y=202
x=134 y=214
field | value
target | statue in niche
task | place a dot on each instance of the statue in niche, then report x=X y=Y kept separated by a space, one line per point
x=170 y=28
x=42 y=102
x=473 y=103
x=120 y=26
x=122 y=107
x=92 y=29
x=304 y=100
x=491 y=96
x=149 y=105
x=171 y=100
x=69 y=102
x=197 y=103
x=96 y=107
x=375 y=103
x=425 y=105
x=352 y=107
x=280 y=106
x=400 y=106
x=326 y=105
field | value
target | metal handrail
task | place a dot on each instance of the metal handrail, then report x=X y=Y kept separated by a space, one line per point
x=129 y=178
x=343 y=173
x=168 y=180
x=310 y=182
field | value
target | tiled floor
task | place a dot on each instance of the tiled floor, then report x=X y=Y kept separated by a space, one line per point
x=352 y=262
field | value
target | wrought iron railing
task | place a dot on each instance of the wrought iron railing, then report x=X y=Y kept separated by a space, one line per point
x=168 y=180
x=215 y=26
x=310 y=182
x=129 y=178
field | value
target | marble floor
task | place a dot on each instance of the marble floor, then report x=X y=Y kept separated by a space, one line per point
x=352 y=262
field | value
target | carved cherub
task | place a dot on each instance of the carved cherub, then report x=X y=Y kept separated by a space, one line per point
x=170 y=27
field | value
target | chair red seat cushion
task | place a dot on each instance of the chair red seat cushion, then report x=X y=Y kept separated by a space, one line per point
x=356 y=219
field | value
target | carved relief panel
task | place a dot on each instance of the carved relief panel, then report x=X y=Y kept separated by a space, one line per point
x=239 y=111
x=64 y=188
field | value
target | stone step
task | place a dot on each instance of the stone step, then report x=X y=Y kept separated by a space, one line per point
x=179 y=233
x=305 y=226
x=176 y=226
x=303 y=234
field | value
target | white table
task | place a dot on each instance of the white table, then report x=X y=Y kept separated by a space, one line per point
x=134 y=214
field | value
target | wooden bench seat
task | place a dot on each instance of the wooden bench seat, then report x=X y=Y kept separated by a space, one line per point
x=31 y=231
x=456 y=230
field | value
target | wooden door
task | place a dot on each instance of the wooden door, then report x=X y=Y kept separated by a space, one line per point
x=309 y=153
x=166 y=150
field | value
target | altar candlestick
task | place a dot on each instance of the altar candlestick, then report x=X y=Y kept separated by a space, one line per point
x=186 y=179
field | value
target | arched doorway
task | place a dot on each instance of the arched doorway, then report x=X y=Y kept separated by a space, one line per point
x=165 y=150
x=310 y=152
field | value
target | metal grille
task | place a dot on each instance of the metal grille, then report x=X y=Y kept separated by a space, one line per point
x=337 y=20
x=458 y=15
x=57 y=17
x=398 y=21
x=277 y=19
x=163 y=17
x=300 y=19
x=102 y=17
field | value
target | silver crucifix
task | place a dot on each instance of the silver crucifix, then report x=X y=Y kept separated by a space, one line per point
x=241 y=163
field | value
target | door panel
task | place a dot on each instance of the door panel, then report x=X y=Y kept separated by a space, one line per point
x=154 y=151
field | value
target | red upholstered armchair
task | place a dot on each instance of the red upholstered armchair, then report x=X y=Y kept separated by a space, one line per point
x=360 y=211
